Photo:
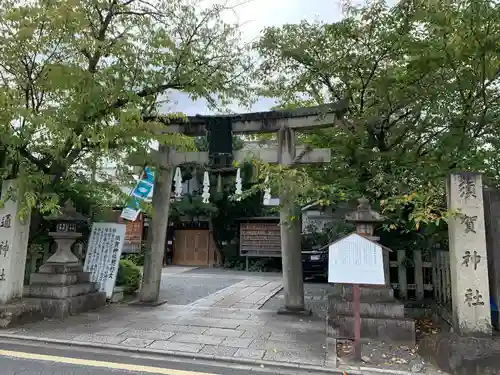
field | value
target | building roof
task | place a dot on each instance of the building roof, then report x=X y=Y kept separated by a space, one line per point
x=364 y=238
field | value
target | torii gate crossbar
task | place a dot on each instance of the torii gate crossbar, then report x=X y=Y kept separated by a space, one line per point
x=285 y=124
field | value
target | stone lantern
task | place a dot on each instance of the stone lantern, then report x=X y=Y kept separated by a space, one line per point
x=365 y=219
x=61 y=287
x=378 y=314
x=65 y=234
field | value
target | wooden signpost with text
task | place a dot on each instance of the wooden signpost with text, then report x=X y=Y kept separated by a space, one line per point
x=356 y=260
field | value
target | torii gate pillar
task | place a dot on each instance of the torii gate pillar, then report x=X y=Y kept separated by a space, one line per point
x=291 y=229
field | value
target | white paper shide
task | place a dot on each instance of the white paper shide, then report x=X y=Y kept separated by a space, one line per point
x=103 y=254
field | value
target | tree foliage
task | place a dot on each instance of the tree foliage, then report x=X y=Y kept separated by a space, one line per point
x=77 y=77
x=422 y=82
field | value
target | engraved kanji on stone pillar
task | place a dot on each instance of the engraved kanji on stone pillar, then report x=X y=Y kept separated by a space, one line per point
x=468 y=258
x=14 y=234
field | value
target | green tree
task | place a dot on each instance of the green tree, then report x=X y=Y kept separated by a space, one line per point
x=421 y=79
x=77 y=77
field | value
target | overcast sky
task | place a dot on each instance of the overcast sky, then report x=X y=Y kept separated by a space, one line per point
x=255 y=15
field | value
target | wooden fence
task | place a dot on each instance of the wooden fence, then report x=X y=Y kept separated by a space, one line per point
x=442 y=284
x=418 y=275
x=410 y=274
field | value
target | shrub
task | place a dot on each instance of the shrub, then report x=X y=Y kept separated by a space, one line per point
x=137 y=258
x=129 y=276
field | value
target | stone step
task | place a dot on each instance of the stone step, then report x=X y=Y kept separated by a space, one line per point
x=61 y=291
x=374 y=293
x=53 y=278
x=60 y=268
x=63 y=307
x=60 y=278
x=392 y=309
x=84 y=277
x=399 y=330
x=19 y=313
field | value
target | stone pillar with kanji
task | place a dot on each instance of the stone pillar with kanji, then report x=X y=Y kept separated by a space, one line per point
x=14 y=234
x=468 y=257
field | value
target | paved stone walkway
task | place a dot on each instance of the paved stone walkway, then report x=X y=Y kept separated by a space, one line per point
x=315 y=295
x=247 y=294
x=218 y=332
x=227 y=323
x=179 y=286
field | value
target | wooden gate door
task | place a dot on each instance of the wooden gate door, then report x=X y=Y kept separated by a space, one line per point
x=192 y=248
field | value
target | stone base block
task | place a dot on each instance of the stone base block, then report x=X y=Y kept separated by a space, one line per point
x=331 y=352
x=61 y=291
x=61 y=268
x=18 y=313
x=302 y=312
x=369 y=293
x=391 y=309
x=62 y=308
x=84 y=277
x=117 y=297
x=54 y=278
x=148 y=304
x=398 y=330
x=457 y=355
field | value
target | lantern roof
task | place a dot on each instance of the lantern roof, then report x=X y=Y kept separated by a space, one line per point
x=68 y=213
x=364 y=213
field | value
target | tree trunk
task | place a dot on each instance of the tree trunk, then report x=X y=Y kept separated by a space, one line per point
x=36 y=221
x=153 y=264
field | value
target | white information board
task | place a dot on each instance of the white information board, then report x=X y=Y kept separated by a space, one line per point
x=103 y=255
x=355 y=260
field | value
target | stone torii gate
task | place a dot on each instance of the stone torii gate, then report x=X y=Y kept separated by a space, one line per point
x=285 y=124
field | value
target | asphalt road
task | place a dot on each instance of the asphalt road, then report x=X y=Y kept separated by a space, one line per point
x=26 y=358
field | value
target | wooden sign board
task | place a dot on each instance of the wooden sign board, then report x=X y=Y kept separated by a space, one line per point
x=103 y=255
x=356 y=260
x=260 y=239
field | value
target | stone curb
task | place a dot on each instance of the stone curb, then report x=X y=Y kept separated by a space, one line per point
x=234 y=360
x=372 y=371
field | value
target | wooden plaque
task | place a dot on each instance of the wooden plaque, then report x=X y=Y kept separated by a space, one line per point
x=260 y=239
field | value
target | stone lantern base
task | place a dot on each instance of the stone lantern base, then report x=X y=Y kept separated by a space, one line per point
x=63 y=289
x=382 y=316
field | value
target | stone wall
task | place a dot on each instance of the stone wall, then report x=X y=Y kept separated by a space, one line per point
x=457 y=355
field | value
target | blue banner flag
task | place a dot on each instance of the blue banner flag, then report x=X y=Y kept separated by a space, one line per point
x=140 y=192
